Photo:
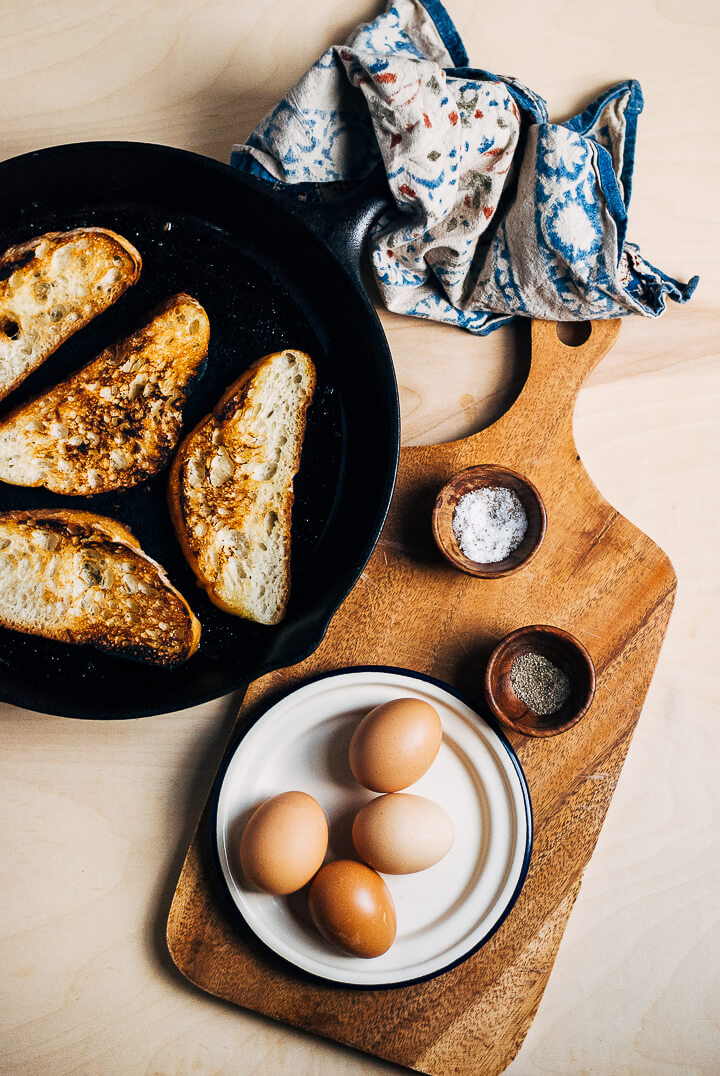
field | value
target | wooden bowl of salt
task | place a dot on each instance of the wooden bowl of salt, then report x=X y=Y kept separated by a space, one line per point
x=489 y=521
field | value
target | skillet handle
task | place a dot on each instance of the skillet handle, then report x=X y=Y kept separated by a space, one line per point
x=344 y=216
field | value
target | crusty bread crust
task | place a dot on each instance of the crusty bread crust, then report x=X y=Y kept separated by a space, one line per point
x=117 y=420
x=82 y=578
x=230 y=489
x=54 y=285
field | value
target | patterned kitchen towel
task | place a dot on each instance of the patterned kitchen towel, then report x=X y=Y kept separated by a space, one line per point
x=496 y=212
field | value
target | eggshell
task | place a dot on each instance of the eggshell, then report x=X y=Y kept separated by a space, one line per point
x=402 y=833
x=352 y=908
x=395 y=744
x=284 y=843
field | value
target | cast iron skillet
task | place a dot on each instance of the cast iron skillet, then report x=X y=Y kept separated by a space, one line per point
x=267 y=282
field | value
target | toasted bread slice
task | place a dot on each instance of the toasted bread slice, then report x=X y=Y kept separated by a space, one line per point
x=54 y=285
x=82 y=578
x=231 y=487
x=116 y=421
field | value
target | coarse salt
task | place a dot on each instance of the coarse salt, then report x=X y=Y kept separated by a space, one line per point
x=489 y=524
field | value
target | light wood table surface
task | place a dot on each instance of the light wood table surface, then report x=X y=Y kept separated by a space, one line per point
x=97 y=816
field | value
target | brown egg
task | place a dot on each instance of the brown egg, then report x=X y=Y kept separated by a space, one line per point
x=402 y=833
x=284 y=843
x=352 y=908
x=395 y=744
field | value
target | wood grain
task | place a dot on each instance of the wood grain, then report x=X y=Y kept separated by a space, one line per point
x=98 y=817
x=597 y=576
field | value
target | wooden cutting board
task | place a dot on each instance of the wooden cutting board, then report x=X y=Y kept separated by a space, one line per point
x=596 y=575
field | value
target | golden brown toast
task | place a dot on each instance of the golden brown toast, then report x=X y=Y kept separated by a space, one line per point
x=54 y=285
x=116 y=421
x=83 y=578
x=231 y=487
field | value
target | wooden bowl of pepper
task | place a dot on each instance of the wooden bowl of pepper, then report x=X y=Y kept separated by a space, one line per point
x=540 y=680
x=508 y=496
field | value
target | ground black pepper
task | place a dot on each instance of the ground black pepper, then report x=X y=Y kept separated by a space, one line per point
x=539 y=684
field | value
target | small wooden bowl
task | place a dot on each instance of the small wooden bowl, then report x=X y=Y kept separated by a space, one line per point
x=566 y=653
x=488 y=474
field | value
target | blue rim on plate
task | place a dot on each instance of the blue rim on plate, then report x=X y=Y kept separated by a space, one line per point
x=524 y=830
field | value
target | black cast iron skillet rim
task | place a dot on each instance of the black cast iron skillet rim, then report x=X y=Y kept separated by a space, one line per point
x=234 y=745
x=320 y=625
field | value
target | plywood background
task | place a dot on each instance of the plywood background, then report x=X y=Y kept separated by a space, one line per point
x=97 y=818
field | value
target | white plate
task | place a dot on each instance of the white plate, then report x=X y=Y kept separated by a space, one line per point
x=445 y=913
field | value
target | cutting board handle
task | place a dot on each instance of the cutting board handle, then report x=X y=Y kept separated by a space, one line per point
x=576 y=362
x=544 y=408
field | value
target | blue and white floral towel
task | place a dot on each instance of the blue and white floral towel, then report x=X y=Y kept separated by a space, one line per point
x=496 y=212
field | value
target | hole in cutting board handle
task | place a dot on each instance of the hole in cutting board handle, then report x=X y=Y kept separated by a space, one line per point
x=573 y=333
